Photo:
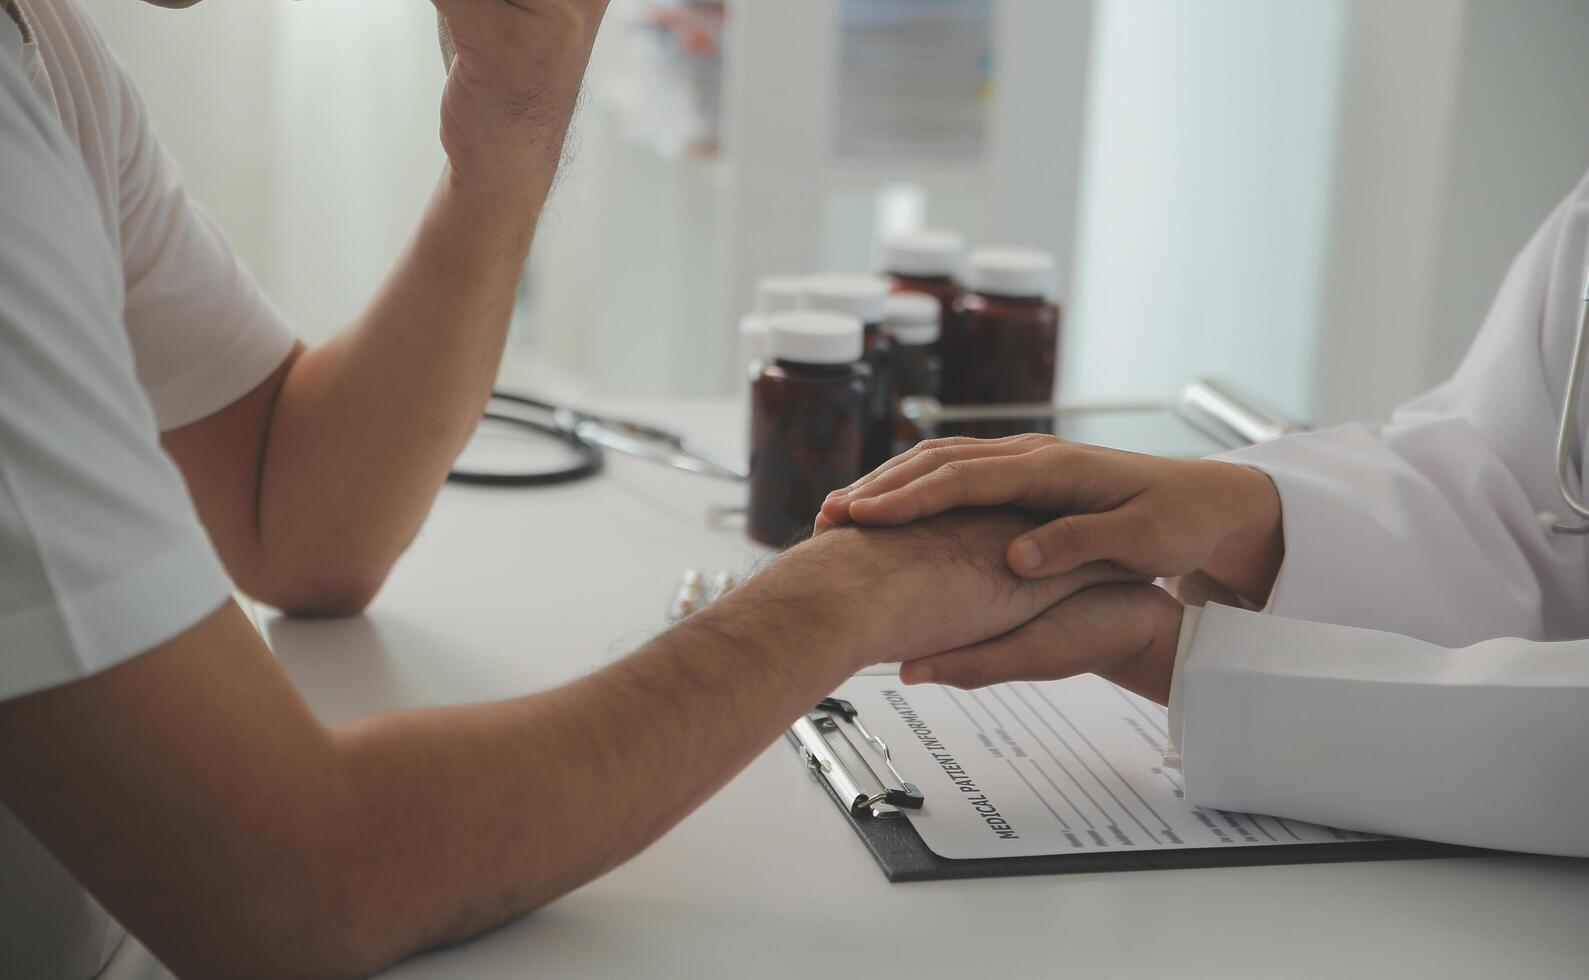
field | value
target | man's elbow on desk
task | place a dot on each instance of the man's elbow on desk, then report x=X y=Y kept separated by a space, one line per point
x=318 y=587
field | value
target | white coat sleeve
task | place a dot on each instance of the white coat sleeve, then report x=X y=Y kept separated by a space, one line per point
x=1430 y=526
x=1482 y=746
x=1437 y=707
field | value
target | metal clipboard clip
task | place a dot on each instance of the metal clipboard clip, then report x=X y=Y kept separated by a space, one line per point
x=833 y=758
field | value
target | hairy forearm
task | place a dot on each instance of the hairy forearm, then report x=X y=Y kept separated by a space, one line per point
x=366 y=425
x=467 y=817
x=360 y=430
x=315 y=852
x=359 y=844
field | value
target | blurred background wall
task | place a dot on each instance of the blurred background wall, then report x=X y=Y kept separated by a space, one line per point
x=1313 y=198
x=307 y=129
x=1206 y=195
x=1461 y=125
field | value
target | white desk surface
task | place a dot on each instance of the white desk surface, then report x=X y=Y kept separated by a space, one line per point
x=508 y=592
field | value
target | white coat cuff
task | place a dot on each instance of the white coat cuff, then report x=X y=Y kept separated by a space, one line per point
x=1189 y=620
x=1371 y=541
x=1208 y=719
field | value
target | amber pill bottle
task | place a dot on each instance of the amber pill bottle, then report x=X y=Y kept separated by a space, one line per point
x=913 y=321
x=927 y=262
x=807 y=412
x=866 y=298
x=1002 y=344
x=774 y=294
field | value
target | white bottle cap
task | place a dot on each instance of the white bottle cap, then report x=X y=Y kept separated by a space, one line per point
x=924 y=253
x=1023 y=272
x=861 y=296
x=752 y=339
x=814 y=337
x=913 y=318
x=777 y=294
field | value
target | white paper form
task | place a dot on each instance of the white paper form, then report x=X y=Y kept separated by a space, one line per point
x=1060 y=767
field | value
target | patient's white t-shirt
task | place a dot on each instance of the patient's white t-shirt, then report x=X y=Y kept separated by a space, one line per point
x=123 y=314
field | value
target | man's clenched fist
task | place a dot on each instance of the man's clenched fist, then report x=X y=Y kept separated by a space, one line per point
x=514 y=69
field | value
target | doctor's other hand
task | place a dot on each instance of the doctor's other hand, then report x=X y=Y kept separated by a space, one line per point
x=899 y=593
x=514 y=71
x=1152 y=516
x=1126 y=634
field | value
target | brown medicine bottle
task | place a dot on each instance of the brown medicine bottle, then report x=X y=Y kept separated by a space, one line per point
x=866 y=298
x=774 y=294
x=926 y=262
x=807 y=413
x=913 y=321
x=1002 y=344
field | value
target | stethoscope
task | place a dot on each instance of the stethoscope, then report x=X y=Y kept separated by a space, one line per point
x=587 y=435
x=1565 y=470
x=1206 y=405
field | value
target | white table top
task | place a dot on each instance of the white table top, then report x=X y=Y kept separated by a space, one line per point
x=508 y=592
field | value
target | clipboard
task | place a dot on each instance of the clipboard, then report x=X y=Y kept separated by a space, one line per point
x=875 y=810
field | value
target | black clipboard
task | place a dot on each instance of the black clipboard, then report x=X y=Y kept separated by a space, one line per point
x=875 y=811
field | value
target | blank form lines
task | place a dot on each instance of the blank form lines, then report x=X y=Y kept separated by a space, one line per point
x=1082 y=762
x=1105 y=759
x=1062 y=794
x=1017 y=770
x=1157 y=724
x=1052 y=755
x=1253 y=819
x=969 y=717
x=994 y=719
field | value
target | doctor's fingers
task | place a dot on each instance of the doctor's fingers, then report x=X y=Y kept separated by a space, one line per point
x=1126 y=633
x=1140 y=537
x=1040 y=476
x=968 y=444
x=921 y=459
x=1024 y=602
x=1051 y=591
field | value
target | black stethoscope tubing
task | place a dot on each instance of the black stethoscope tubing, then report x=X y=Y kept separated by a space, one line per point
x=590 y=461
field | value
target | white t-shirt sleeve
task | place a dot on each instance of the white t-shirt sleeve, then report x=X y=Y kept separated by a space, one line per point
x=202 y=333
x=101 y=554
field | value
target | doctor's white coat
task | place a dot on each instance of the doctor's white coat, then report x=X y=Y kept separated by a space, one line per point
x=1451 y=701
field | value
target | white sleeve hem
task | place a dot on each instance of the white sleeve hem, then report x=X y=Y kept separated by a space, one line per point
x=259 y=349
x=82 y=634
x=1189 y=620
x=1380 y=733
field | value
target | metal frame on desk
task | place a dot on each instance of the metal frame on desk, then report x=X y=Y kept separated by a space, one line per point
x=1211 y=407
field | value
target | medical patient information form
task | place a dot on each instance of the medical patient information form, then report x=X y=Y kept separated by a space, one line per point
x=1060 y=767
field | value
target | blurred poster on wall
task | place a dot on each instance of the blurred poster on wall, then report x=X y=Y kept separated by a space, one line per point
x=667 y=91
x=915 y=80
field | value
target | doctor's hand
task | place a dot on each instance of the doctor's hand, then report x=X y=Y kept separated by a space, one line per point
x=1126 y=634
x=514 y=70
x=900 y=593
x=1151 y=516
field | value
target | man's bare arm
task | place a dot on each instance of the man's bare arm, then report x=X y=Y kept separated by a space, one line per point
x=192 y=785
x=315 y=482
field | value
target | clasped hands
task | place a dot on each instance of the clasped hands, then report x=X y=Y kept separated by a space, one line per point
x=1085 y=531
